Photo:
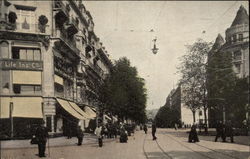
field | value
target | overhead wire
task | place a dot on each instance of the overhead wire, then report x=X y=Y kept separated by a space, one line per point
x=209 y=27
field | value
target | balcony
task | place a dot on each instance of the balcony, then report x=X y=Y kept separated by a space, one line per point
x=72 y=26
x=61 y=8
x=67 y=39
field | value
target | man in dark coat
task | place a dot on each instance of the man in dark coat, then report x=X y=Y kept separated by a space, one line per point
x=229 y=131
x=41 y=136
x=220 y=131
x=193 y=136
x=154 y=131
x=145 y=128
x=79 y=135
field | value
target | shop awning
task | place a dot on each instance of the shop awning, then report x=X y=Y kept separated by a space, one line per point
x=107 y=117
x=67 y=107
x=4 y=107
x=114 y=118
x=79 y=110
x=27 y=107
x=90 y=112
x=58 y=79
x=27 y=77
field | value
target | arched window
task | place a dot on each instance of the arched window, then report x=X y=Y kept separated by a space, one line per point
x=4 y=50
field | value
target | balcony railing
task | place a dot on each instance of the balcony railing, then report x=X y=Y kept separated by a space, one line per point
x=60 y=6
x=62 y=34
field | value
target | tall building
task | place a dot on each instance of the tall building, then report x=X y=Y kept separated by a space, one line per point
x=52 y=64
x=236 y=44
x=185 y=115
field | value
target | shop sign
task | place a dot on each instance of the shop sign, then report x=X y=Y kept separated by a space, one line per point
x=21 y=64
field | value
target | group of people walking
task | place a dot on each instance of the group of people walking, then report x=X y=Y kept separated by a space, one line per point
x=112 y=130
x=224 y=130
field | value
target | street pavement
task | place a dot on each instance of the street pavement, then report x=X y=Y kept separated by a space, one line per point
x=170 y=144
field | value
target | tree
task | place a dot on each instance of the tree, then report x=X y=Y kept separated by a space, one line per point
x=220 y=84
x=166 y=117
x=123 y=92
x=193 y=71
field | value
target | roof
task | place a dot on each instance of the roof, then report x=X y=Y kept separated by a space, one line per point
x=218 y=42
x=241 y=17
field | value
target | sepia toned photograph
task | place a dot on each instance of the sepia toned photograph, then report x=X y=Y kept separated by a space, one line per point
x=85 y=79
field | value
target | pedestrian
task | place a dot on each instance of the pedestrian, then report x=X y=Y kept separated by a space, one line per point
x=99 y=134
x=220 y=131
x=229 y=131
x=193 y=136
x=69 y=132
x=145 y=128
x=154 y=130
x=41 y=136
x=176 y=126
x=79 y=135
x=123 y=135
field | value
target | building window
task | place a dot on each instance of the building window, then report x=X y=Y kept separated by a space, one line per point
x=26 y=20
x=240 y=37
x=234 y=38
x=237 y=68
x=68 y=85
x=5 y=80
x=4 y=50
x=59 y=90
x=237 y=55
x=27 y=89
x=31 y=54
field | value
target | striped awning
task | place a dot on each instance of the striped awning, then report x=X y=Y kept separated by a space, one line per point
x=79 y=110
x=90 y=112
x=67 y=107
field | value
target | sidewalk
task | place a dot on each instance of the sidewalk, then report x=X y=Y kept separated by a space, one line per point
x=53 y=142
x=243 y=140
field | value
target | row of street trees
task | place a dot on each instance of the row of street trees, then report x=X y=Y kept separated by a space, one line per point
x=123 y=93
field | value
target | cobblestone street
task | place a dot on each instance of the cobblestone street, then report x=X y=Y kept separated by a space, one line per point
x=170 y=144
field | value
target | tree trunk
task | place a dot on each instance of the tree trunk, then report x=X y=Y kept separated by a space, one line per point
x=205 y=117
x=193 y=116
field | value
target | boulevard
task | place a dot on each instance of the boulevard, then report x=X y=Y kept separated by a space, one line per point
x=170 y=144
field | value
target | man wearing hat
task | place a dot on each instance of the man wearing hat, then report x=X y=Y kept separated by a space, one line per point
x=41 y=136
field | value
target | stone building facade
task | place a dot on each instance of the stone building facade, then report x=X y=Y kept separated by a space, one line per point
x=52 y=63
x=185 y=115
x=236 y=44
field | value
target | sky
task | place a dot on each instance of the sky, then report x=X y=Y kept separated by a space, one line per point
x=124 y=29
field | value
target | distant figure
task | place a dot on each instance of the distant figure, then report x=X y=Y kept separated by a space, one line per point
x=98 y=132
x=41 y=136
x=145 y=128
x=220 y=132
x=69 y=132
x=123 y=135
x=79 y=135
x=193 y=136
x=154 y=130
x=176 y=126
x=229 y=131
